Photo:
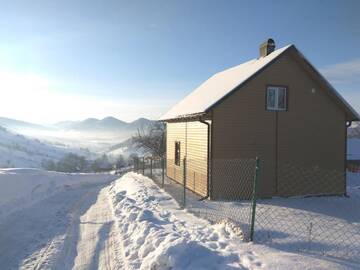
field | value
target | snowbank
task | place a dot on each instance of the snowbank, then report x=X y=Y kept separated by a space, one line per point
x=155 y=238
x=21 y=187
x=156 y=234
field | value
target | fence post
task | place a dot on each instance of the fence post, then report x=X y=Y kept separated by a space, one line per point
x=151 y=167
x=254 y=197
x=143 y=169
x=184 y=182
x=162 y=172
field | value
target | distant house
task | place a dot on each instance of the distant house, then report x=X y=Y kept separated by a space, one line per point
x=277 y=107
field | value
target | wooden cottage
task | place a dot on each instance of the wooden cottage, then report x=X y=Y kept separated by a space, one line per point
x=277 y=107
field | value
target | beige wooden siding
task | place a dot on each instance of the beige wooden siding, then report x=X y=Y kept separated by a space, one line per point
x=193 y=139
x=311 y=134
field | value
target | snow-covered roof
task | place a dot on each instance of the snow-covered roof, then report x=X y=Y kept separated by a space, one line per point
x=218 y=86
x=223 y=83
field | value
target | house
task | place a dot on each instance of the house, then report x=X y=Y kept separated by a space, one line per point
x=276 y=107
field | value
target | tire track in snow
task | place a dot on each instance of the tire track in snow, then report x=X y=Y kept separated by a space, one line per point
x=92 y=238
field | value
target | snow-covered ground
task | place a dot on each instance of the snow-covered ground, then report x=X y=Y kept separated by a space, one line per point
x=20 y=188
x=87 y=221
x=50 y=218
x=156 y=234
x=25 y=152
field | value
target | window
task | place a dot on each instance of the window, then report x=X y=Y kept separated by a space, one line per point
x=177 y=153
x=276 y=98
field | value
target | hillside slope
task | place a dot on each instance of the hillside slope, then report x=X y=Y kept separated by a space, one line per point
x=107 y=124
x=20 y=151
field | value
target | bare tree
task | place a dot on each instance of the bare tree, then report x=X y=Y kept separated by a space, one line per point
x=151 y=139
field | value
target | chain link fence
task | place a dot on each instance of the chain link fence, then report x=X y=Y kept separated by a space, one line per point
x=312 y=216
x=192 y=175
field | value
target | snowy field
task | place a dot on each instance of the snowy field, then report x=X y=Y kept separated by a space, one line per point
x=45 y=213
x=156 y=234
x=23 y=187
x=88 y=221
x=25 y=152
x=328 y=226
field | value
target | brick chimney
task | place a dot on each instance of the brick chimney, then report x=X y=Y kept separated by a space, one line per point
x=267 y=47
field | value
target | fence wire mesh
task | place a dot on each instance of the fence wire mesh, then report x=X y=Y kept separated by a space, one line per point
x=233 y=202
x=308 y=213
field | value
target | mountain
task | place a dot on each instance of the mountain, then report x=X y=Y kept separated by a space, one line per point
x=125 y=148
x=17 y=125
x=21 y=151
x=139 y=123
x=95 y=134
x=108 y=124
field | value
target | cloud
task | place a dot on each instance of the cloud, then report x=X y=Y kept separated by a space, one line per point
x=343 y=73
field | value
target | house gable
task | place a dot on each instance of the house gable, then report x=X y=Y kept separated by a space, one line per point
x=310 y=134
x=223 y=84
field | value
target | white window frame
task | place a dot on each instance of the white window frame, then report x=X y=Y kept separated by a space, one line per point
x=277 y=90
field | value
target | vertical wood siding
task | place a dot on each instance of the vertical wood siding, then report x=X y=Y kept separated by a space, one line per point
x=297 y=156
x=193 y=139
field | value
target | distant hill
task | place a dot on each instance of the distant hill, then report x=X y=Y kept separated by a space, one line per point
x=125 y=148
x=17 y=125
x=21 y=151
x=108 y=124
x=95 y=134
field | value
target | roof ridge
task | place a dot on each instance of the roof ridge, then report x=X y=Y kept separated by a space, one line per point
x=222 y=84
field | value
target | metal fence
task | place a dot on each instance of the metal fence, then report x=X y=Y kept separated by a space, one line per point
x=322 y=221
x=187 y=184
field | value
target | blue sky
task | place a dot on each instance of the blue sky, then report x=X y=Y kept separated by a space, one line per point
x=62 y=60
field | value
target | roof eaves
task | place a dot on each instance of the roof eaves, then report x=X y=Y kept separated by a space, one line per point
x=184 y=117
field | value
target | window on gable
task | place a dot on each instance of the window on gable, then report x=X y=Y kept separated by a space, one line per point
x=177 y=153
x=276 y=97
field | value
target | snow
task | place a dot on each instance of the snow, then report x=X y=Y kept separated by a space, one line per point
x=156 y=234
x=22 y=187
x=21 y=151
x=353 y=149
x=88 y=221
x=219 y=85
x=222 y=83
x=60 y=221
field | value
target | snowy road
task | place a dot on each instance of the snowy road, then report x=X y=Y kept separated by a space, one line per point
x=73 y=229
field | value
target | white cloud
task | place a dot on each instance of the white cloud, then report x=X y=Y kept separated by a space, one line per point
x=346 y=72
x=34 y=98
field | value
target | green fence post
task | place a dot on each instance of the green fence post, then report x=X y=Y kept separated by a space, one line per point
x=162 y=172
x=184 y=182
x=143 y=166
x=254 y=197
x=151 y=167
